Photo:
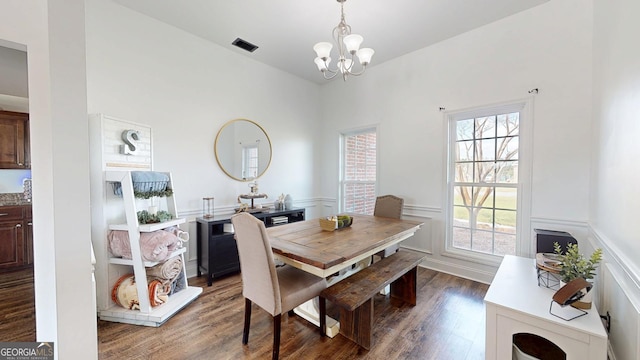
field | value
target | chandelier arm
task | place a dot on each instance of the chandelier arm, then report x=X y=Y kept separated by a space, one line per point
x=328 y=69
x=364 y=67
x=333 y=74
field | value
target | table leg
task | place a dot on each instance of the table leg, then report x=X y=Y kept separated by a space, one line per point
x=309 y=310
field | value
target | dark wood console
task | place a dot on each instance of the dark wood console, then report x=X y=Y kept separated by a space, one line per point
x=217 y=249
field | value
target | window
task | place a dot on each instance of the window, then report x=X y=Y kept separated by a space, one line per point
x=358 y=175
x=484 y=181
x=249 y=161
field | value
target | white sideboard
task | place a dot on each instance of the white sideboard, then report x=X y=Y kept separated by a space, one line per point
x=516 y=304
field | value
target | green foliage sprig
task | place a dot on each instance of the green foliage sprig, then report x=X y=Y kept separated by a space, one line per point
x=145 y=217
x=148 y=194
x=574 y=265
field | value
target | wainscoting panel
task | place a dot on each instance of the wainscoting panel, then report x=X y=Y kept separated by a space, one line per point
x=618 y=293
x=619 y=302
x=422 y=239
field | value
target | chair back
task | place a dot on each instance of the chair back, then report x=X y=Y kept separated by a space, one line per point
x=389 y=206
x=259 y=276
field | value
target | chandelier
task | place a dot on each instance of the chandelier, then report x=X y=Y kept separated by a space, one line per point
x=348 y=46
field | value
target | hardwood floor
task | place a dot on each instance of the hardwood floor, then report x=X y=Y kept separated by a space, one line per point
x=447 y=323
x=17 y=306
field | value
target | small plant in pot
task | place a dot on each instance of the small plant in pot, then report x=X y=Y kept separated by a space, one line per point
x=573 y=265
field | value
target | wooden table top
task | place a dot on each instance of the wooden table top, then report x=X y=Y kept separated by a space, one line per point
x=305 y=245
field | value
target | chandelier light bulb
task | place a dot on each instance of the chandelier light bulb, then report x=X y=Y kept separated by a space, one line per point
x=322 y=64
x=352 y=42
x=345 y=66
x=364 y=55
x=323 y=49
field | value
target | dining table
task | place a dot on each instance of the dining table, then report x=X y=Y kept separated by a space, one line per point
x=336 y=254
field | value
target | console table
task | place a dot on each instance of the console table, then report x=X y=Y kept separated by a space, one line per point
x=516 y=304
x=217 y=249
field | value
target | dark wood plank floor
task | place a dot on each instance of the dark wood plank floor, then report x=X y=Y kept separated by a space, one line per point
x=17 y=306
x=447 y=323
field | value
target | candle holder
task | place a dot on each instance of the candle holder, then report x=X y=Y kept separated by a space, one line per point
x=207 y=207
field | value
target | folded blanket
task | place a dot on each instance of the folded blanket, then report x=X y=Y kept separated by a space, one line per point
x=167 y=271
x=125 y=293
x=154 y=246
x=158 y=292
x=182 y=235
x=145 y=181
x=179 y=284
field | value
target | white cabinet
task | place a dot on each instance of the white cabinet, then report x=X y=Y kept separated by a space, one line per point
x=516 y=304
x=115 y=267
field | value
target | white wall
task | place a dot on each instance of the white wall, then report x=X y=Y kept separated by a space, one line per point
x=186 y=89
x=615 y=172
x=53 y=33
x=11 y=180
x=547 y=47
x=13 y=67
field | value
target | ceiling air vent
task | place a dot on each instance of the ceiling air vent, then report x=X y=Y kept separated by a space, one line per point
x=244 y=45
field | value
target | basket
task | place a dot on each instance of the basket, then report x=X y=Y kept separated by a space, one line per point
x=328 y=225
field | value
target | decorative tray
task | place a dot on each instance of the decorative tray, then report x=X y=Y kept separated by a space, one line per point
x=335 y=222
x=548 y=262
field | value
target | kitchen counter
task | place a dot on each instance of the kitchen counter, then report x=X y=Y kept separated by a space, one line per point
x=13 y=199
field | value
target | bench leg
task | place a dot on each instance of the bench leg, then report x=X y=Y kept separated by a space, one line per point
x=322 y=304
x=357 y=325
x=404 y=288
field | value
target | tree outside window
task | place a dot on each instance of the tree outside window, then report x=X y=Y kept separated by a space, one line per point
x=485 y=187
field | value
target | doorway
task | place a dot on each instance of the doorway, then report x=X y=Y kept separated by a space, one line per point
x=17 y=296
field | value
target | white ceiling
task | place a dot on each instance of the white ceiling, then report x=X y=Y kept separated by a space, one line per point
x=286 y=30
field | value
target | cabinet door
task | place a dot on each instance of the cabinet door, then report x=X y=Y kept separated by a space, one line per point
x=11 y=244
x=13 y=140
x=224 y=256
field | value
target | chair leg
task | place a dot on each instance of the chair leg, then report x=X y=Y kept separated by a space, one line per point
x=276 y=336
x=322 y=304
x=247 y=321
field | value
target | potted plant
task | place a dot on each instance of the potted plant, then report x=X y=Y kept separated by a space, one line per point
x=573 y=265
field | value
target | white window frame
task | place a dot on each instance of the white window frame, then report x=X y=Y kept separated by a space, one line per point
x=525 y=162
x=248 y=171
x=341 y=183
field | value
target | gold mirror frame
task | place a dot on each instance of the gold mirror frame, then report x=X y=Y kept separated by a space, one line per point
x=224 y=154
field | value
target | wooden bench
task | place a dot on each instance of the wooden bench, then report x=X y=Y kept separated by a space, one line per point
x=354 y=295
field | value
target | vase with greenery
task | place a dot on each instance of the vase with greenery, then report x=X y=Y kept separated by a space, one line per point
x=574 y=265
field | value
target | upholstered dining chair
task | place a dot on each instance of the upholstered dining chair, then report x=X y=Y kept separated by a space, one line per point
x=389 y=206
x=276 y=290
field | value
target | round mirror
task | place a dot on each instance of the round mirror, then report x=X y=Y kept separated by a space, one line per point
x=243 y=149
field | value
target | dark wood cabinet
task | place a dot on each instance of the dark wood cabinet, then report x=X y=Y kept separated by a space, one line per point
x=28 y=236
x=14 y=140
x=16 y=237
x=217 y=249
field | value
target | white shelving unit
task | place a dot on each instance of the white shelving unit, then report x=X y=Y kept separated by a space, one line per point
x=147 y=315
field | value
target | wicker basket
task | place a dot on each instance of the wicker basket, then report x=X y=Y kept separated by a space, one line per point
x=328 y=225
